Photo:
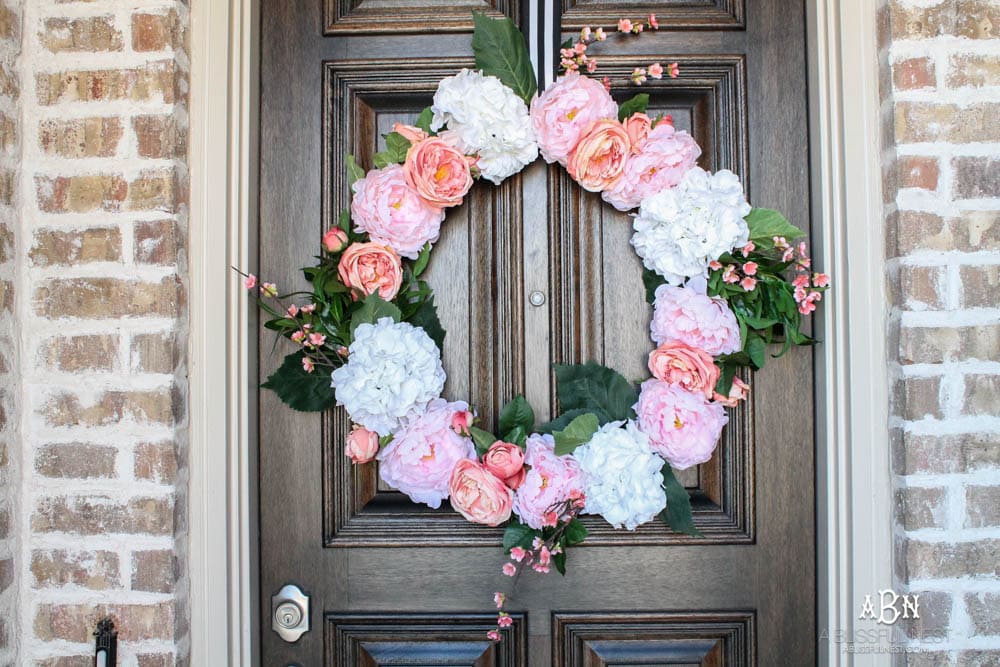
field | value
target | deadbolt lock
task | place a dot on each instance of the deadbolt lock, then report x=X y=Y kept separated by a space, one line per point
x=290 y=613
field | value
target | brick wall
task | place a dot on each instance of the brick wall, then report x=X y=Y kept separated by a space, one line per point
x=10 y=44
x=101 y=313
x=941 y=92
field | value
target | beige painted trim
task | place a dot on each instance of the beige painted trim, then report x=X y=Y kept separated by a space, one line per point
x=854 y=483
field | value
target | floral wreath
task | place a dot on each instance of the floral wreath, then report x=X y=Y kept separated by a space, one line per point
x=725 y=280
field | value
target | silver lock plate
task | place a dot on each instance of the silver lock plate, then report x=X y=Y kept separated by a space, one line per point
x=290 y=613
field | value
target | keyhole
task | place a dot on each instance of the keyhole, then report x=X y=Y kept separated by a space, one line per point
x=289 y=615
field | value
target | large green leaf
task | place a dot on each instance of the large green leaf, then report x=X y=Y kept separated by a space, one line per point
x=354 y=170
x=482 y=439
x=519 y=535
x=502 y=52
x=306 y=392
x=424 y=120
x=372 y=309
x=578 y=432
x=563 y=420
x=576 y=532
x=396 y=146
x=678 y=511
x=591 y=385
x=651 y=280
x=632 y=106
x=517 y=413
x=427 y=319
x=766 y=223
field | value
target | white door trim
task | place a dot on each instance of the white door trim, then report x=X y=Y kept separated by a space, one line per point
x=853 y=478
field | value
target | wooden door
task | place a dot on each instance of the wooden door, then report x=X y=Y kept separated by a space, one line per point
x=392 y=583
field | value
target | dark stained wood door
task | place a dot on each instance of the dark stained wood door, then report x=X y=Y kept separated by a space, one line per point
x=393 y=583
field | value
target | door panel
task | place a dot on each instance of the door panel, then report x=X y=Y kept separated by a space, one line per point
x=392 y=582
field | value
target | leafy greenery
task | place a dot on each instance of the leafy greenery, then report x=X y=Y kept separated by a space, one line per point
x=766 y=223
x=306 y=392
x=482 y=439
x=373 y=309
x=592 y=386
x=354 y=171
x=516 y=415
x=632 y=106
x=576 y=433
x=651 y=280
x=424 y=120
x=678 y=511
x=427 y=319
x=563 y=420
x=396 y=146
x=518 y=534
x=501 y=51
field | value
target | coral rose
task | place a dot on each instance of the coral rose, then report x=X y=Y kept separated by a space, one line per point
x=637 y=128
x=597 y=161
x=685 y=366
x=739 y=391
x=392 y=213
x=506 y=461
x=362 y=444
x=410 y=133
x=682 y=426
x=564 y=110
x=550 y=480
x=658 y=162
x=335 y=240
x=371 y=268
x=438 y=171
x=478 y=495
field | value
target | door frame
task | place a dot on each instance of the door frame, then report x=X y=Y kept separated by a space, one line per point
x=853 y=479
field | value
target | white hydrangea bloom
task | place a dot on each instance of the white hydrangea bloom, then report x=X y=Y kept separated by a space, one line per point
x=624 y=484
x=393 y=369
x=678 y=231
x=488 y=119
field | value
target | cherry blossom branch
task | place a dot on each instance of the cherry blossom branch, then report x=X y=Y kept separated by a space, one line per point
x=574 y=58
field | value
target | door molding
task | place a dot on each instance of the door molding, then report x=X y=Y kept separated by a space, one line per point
x=854 y=508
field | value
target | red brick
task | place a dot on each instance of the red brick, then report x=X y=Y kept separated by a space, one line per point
x=913 y=73
x=917 y=171
x=72 y=354
x=97 y=515
x=154 y=406
x=157 y=242
x=153 y=571
x=97 y=570
x=91 y=33
x=70 y=248
x=156 y=461
x=80 y=137
x=75 y=622
x=157 y=81
x=109 y=298
x=76 y=461
x=80 y=194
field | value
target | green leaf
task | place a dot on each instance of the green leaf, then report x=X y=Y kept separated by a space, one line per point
x=563 y=420
x=651 y=280
x=354 y=171
x=306 y=392
x=517 y=435
x=482 y=439
x=559 y=560
x=502 y=52
x=576 y=532
x=424 y=120
x=517 y=413
x=591 y=386
x=578 y=432
x=757 y=349
x=422 y=259
x=372 y=309
x=396 y=146
x=385 y=440
x=427 y=319
x=678 y=511
x=518 y=535
x=766 y=223
x=635 y=105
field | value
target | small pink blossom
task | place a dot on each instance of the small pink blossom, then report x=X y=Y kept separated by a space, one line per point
x=307 y=365
x=639 y=76
x=788 y=255
x=599 y=35
x=750 y=268
x=541 y=569
x=579 y=48
x=537 y=543
x=748 y=248
x=518 y=553
x=317 y=339
x=292 y=310
x=309 y=308
x=674 y=70
x=504 y=620
x=494 y=635
x=800 y=294
x=343 y=351
x=606 y=82
x=715 y=265
x=592 y=65
x=656 y=71
x=637 y=28
x=509 y=569
x=498 y=599
x=806 y=307
x=821 y=280
x=250 y=282
x=585 y=34
x=550 y=519
x=779 y=242
x=544 y=556
x=412 y=134
x=801 y=280
x=748 y=284
x=624 y=25
x=298 y=336
x=653 y=23
x=729 y=275
x=269 y=289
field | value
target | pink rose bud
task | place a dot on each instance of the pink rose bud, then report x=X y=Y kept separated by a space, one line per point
x=506 y=461
x=335 y=239
x=739 y=391
x=362 y=445
x=412 y=134
x=478 y=495
x=461 y=421
x=494 y=635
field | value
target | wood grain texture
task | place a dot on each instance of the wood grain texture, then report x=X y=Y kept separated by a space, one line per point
x=673 y=14
x=343 y=17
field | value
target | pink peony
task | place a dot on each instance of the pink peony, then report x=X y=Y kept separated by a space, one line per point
x=688 y=316
x=438 y=171
x=550 y=480
x=687 y=367
x=394 y=214
x=362 y=444
x=658 y=163
x=478 y=495
x=566 y=108
x=369 y=268
x=739 y=391
x=423 y=452
x=682 y=426
x=506 y=461
x=597 y=160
